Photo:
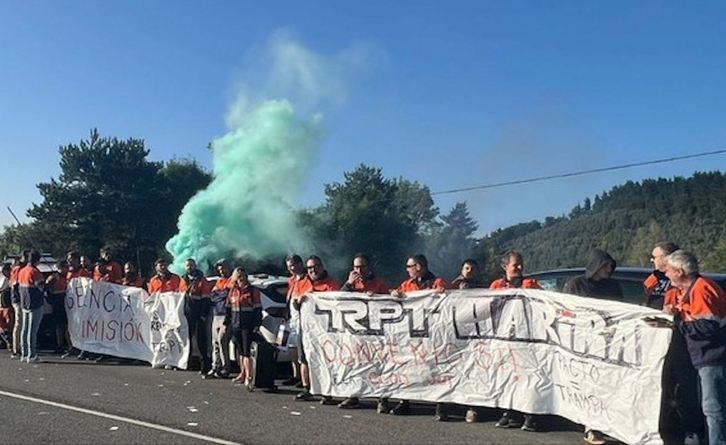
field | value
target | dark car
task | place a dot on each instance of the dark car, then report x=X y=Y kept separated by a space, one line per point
x=630 y=278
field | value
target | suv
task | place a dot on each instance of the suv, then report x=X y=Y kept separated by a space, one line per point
x=630 y=278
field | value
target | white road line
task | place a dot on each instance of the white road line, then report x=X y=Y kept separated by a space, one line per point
x=121 y=419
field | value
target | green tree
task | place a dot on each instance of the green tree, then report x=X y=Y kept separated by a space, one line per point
x=108 y=193
x=452 y=241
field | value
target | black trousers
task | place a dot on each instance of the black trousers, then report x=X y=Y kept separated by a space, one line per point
x=197 y=313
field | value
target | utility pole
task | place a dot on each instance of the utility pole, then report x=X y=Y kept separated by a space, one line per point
x=11 y=212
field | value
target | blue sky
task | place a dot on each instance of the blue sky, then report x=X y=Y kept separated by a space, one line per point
x=451 y=94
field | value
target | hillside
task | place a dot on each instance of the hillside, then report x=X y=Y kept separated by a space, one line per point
x=626 y=221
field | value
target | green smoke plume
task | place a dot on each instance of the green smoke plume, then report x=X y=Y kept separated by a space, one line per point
x=248 y=207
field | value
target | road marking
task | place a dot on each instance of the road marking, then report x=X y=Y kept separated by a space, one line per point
x=121 y=419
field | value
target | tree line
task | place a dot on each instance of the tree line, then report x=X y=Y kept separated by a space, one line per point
x=110 y=194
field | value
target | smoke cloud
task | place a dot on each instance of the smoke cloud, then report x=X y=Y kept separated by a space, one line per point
x=261 y=163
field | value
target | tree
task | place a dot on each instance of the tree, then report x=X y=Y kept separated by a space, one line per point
x=368 y=213
x=108 y=193
x=453 y=241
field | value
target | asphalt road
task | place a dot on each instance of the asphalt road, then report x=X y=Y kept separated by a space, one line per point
x=71 y=401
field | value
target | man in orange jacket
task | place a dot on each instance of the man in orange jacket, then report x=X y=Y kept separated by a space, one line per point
x=700 y=315
x=419 y=278
x=197 y=310
x=513 y=266
x=317 y=280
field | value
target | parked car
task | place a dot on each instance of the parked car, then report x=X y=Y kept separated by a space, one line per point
x=630 y=278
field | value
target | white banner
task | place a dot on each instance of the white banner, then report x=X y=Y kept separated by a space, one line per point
x=592 y=361
x=122 y=321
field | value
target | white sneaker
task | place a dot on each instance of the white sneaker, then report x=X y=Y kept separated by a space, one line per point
x=594 y=437
x=692 y=439
x=35 y=359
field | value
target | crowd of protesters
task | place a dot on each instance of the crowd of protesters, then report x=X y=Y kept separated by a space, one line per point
x=230 y=310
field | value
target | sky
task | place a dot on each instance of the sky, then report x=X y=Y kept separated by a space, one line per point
x=450 y=94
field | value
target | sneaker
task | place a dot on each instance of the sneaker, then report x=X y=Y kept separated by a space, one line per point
x=691 y=439
x=383 y=407
x=507 y=421
x=69 y=353
x=327 y=400
x=349 y=403
x=223 y=374
x=594 y=437
x=304 y=395
x=529 y=424
x=292 y=381
x=169 y=368
x=212 y=374
x=100 y=358
x=14 y=355
x=83 y=355
x=441 y=415
x=471 y=415
x=401 y=409
x=34 y=359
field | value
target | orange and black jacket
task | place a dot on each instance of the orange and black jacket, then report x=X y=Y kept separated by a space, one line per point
x=656 y=286
x=30 y=287
x=522 y=283
x=195 y=285
x=702 y=321
x=110 y=272
x=371 y=284
x=428 y=281
x=244 y=307
x=305 y=285
x=166 y=283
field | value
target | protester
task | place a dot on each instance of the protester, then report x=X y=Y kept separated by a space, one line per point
x=221 y=333
x=30 y=284
x=469 y=277
x=6 y=309
x=657 y=284
x=18 y=265
x=596 y=282
x=698 y=306
x=244 y=314
x=316 y=280
x=197 y=290
x=87 y=265
x=75 y=270
x=417 y=267
x=131 y=276
x=164 y=280
x=106 y=268
x=512 y=264
x=362 y=279
x=295 y=267
x=56 y=286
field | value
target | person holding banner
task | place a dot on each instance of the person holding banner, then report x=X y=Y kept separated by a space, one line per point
x=596 y=282
x=106 y=268
x=699 y=308
x=362 y=279
x=131 y=276
x=244 y=314
x=469 y=277
x=513 y=267
x=164 y=280
x=316 y=280
x=221 y=333
x=420 y=278
x=197 y=304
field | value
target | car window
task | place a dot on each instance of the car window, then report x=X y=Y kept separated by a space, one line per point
x=277 y=293
x=633 y=292
x=549 y=284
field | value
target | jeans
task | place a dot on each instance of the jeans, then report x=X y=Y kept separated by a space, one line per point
x=221 y=335
x=18 y=328
x=713 y=400
x=31 y=325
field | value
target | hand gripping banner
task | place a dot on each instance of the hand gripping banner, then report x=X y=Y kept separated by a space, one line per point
x=595 y=362
x=128 y=322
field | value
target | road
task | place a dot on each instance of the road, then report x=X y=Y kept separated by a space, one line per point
x=71 y=401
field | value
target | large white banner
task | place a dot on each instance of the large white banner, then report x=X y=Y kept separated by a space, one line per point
x=128 y=322
x=595 y=362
